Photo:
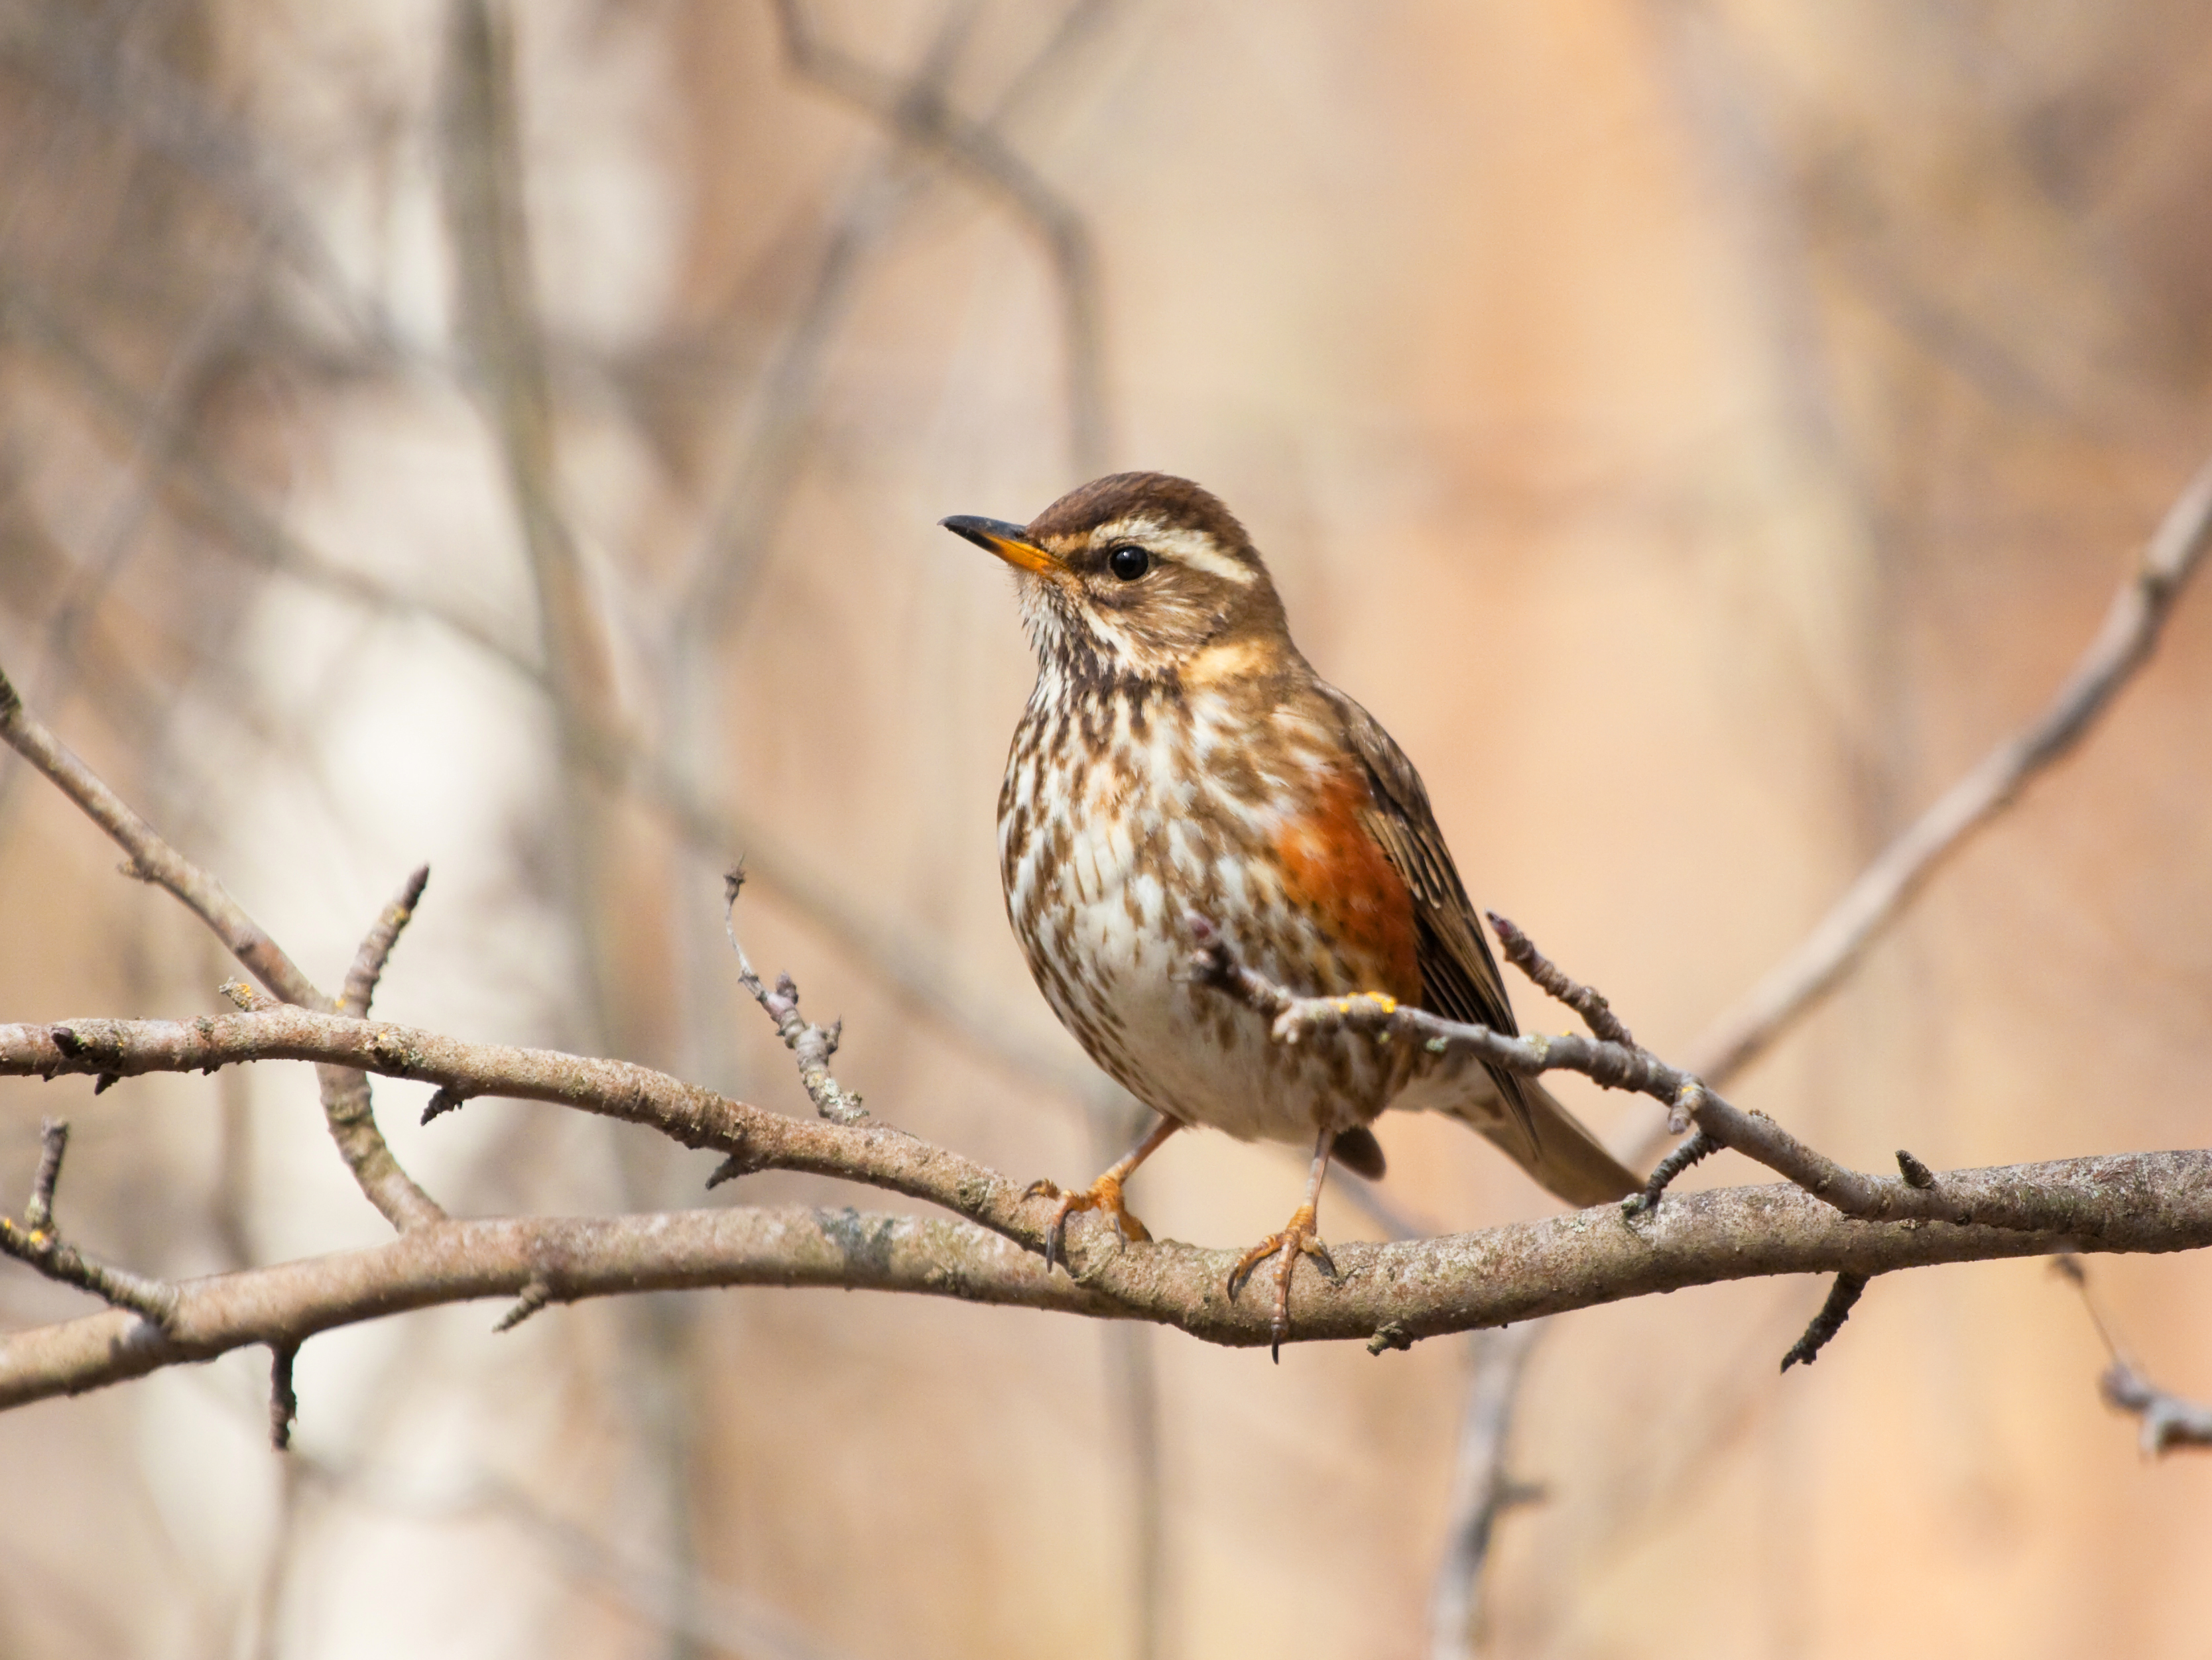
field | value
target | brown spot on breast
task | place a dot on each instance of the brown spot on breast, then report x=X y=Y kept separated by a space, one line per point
x=1235 y=658
x=1333 y=867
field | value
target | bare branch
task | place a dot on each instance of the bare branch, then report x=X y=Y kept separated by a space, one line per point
x=283 y=1399
x=451 y=1261
x=812 y=1045
x=37 y=1239
x=1617 y=1066
x=536 y=1295
x=1843 y=1297
x=53 y=1142
x=497 y=307
x=1597 y=1014
x=2132 y=625
x=921 y=116
x=2132 y=1203
x=201 y=493
x=1694 y=1147
x=1481 y=1491
x=2168 y=1419
x=376 y=946
x=346 y=1105
x=1880 y=895
x=619 y=756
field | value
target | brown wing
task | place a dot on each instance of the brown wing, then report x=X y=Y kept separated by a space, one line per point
x=1460 y=978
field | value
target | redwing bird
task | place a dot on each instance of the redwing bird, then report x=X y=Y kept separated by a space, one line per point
x=1179 y=758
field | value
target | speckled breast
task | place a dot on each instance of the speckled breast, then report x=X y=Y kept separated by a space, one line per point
x=1126 y=809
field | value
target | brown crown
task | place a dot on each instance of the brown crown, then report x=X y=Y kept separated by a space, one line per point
x=1176 y=502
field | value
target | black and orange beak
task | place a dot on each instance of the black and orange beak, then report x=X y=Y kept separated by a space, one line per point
x=1009 y=541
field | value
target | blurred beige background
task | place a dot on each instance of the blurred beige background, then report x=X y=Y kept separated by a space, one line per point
x=1697 y=428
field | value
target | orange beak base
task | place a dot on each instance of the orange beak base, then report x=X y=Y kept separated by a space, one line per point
x=1009 y=541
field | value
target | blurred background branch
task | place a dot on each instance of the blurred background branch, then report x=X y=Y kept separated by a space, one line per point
x=1778 y=391
x=1812 y=969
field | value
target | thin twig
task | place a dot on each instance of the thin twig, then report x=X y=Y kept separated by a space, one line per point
x=1843 y=1297
x=1617 y=1066
x=37 y=1240
x=535 y=1296
x=1597 y=1014
x=346 y=1105
x=368 y=961
x=811 y=1044
x=2168 y=1419
x=1693 y=1148
x=283 y=1399
x=53 y=1142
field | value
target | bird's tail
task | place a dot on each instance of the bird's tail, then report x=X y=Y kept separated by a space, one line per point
x=1527 y=1121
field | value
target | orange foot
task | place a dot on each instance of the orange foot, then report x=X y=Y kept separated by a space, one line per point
x=1104 y=1194
x=1298 y=1238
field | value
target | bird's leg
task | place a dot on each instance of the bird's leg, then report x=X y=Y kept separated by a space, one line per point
x=1104 y=1194
x=1299 y=1237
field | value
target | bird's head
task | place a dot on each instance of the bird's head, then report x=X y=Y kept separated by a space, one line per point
x=1138 y=575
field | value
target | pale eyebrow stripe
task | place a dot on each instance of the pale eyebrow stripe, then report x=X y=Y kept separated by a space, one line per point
x=1191 y=548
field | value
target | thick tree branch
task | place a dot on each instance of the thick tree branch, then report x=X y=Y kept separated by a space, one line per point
x=346 y=1105
x=2137 y=1203
x=2133 y=1203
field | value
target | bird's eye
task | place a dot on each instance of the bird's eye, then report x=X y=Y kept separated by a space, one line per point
x=1128 y=561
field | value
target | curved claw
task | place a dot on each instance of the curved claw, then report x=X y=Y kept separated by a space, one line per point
x=1104 y=1194
x=1298 y=1238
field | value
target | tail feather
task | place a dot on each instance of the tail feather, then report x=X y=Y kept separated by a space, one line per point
x=1526 y=1121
